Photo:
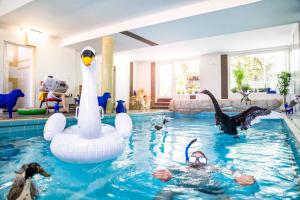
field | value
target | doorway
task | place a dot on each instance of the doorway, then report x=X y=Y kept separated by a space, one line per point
x=19 y=66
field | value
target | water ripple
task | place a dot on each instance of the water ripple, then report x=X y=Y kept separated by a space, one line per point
x=264 y=151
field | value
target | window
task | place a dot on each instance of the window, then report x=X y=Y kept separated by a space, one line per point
x=256 y=72
x=187 y=77
x=179 y=77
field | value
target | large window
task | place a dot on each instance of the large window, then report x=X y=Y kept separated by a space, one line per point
x=187 y=77
x=256 y=72
x=179 y=77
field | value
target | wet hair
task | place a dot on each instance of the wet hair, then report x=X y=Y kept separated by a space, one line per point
x=199 y=152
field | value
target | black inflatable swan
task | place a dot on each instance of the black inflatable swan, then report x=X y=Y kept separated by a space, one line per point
x=228 y=124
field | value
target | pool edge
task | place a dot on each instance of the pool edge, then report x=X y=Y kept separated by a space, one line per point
x=292 y=127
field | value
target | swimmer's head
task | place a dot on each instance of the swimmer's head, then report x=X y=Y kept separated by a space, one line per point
x=197 y=159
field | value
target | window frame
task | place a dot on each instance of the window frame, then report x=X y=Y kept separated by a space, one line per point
x=285 y=49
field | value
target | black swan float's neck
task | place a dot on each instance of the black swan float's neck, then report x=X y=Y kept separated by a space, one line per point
x=215 y=102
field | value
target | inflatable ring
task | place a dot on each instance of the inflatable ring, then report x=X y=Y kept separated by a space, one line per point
x=70 y=147
x=31 y=111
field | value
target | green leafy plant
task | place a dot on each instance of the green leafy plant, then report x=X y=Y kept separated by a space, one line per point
x=246 y=87
x=239 y=76
x=234 y=90
x=256 y=70
x=284 y=80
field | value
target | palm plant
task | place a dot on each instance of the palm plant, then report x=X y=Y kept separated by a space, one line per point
x=239 y=75
x=284 y=80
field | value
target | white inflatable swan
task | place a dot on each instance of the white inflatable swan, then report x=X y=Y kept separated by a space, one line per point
x=89 y=141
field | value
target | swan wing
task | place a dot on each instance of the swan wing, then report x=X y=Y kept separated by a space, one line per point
x=54 y=125
x=246 y=118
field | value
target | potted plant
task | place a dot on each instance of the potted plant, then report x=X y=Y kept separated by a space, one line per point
x=284 y=80
x=239 y=75
x=245 y=87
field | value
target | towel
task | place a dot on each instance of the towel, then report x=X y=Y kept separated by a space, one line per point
x=41 y=96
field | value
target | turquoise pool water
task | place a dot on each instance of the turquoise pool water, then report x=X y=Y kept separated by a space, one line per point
x=267 y=150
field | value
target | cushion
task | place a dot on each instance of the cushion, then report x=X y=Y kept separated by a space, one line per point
x=53 y=99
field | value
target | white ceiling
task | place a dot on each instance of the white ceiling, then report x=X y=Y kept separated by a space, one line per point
x=211 y=31
x=7 y=6
x=81 y=20
x=68 y=17
x=256 y=39
x=263 y=14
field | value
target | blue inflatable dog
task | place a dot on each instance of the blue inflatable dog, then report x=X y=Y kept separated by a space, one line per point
x=120 y=107
x=102 y=100
x=56 y=107
x=9 y=101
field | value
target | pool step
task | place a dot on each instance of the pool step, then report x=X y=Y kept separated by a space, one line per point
x=161 y=100
x=161 y=103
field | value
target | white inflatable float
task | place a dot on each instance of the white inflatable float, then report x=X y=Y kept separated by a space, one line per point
x=89 y=141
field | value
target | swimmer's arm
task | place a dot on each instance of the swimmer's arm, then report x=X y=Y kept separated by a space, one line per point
x=166 y=174
x=237 y=175
x=163 y=174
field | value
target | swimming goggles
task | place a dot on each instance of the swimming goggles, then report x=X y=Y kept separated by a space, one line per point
x=200 y=159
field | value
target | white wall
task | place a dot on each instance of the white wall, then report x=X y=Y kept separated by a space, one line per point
x=60 y=62
x=142 y=76
x=122 y=78
x=50 y=58
x=210 y=74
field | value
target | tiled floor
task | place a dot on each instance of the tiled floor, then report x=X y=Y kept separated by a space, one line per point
x=16 y=116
